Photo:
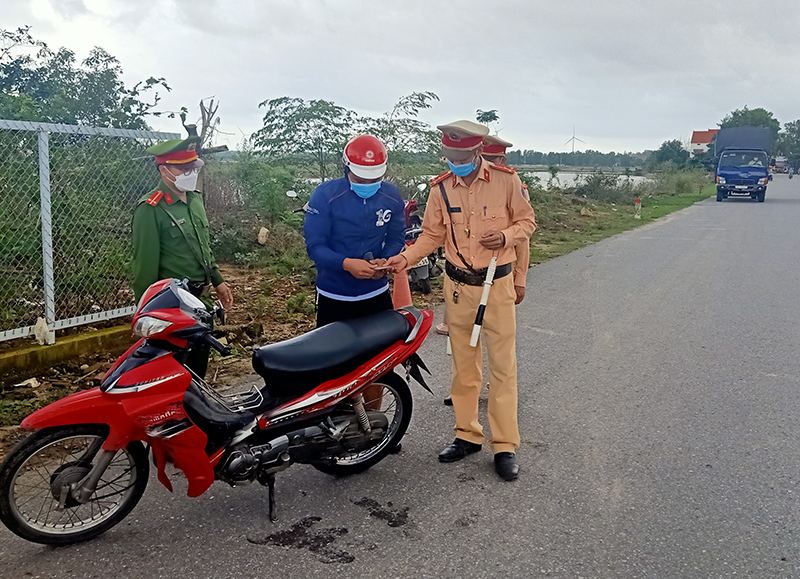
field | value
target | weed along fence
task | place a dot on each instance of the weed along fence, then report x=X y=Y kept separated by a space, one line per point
x=66 y=199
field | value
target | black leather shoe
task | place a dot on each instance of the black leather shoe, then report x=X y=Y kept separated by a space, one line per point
x=448 y=401
x=458 y=450
x=505 y=463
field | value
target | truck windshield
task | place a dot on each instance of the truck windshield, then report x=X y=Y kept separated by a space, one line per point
x=741 y=159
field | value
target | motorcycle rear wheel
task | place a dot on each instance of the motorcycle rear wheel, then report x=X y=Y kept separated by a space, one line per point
x=39 y=466
x=396 y=404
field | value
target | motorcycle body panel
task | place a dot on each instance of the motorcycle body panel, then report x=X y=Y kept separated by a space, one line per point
x=143 y=397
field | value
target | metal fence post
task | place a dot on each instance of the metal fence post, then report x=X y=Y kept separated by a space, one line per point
x=74 y=232
x=47 y=235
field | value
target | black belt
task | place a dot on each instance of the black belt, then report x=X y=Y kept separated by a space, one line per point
x=477 y=278
x=199 y=288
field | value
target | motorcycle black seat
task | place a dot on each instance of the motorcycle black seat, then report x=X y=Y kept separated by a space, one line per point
x=295 y=366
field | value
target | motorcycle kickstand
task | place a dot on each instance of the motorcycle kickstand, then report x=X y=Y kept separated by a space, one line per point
x=268 y=480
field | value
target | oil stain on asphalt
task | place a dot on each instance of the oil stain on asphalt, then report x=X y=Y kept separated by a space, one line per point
x=395 y=518
x=319 y=542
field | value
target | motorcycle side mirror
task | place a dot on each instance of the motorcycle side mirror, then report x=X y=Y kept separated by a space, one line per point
x=421 y=187
x=291 y=194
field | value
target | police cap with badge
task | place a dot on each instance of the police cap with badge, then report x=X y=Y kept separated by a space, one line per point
x=494 y=146
x=178 y=152
x=463 y=135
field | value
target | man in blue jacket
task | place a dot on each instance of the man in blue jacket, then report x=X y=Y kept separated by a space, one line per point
x=352 y=225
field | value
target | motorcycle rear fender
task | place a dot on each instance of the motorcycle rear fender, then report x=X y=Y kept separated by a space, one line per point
x=87 y=407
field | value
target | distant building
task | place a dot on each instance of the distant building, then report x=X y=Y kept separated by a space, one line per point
x=701 y=140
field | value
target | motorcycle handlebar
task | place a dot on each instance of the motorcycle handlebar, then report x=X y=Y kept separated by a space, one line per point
x=217 y=345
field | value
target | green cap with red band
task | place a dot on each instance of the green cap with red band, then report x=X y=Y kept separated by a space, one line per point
x=176 y=151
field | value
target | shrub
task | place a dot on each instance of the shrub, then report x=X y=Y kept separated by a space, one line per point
x=299 y=303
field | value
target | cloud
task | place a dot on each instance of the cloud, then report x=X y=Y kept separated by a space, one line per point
x=624 y=72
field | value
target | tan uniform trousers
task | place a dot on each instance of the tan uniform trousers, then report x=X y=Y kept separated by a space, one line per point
x=499 y=332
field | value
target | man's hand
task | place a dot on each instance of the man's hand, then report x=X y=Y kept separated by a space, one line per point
x=225 y=295
x=520 y=291
x=359 y=268
x=397 y=263
x=379 y=263
x=493 y=240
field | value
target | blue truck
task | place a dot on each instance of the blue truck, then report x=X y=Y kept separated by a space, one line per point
x=743 y=155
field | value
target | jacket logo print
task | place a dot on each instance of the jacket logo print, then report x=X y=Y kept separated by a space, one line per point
x=384 y=216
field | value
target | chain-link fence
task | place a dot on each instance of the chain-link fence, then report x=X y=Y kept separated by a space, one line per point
x=67 y=195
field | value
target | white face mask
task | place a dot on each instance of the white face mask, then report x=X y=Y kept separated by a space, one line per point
x=186 y=182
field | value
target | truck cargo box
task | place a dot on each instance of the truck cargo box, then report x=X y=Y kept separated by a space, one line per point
x=743 y=138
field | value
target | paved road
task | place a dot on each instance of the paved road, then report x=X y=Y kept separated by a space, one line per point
x=659 y=407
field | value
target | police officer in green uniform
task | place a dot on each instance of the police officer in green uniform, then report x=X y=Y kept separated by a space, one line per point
x=170 y=233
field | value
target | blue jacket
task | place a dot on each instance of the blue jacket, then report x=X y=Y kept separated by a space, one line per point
x=340 y=224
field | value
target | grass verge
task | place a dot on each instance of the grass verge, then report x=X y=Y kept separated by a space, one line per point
x=565 y=227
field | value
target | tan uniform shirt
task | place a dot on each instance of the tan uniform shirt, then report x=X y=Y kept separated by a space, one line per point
x=492 y=202
x=523 y=253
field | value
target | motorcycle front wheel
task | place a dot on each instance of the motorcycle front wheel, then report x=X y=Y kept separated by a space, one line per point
x=393 y=399
x=35 y=477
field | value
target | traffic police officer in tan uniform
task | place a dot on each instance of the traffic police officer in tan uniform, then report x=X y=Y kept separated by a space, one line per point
x=494 y=151
x=476 y=211
x=171 y=235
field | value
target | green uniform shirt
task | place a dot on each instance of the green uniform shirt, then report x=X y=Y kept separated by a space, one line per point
x=161 y=251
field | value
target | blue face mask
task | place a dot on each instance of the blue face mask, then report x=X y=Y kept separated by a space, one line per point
x=365 y=190
x=462 y=170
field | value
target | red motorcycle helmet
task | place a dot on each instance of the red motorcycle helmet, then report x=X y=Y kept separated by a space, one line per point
x=365 y=156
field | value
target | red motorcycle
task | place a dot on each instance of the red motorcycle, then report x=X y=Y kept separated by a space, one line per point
x=331 y=399
x=419 y=276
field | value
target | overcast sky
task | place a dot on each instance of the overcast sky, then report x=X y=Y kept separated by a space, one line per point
x=627 y=74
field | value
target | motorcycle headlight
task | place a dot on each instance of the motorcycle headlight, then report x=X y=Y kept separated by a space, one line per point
x=146 y=326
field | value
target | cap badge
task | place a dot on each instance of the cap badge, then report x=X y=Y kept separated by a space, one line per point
x=191 y=147
x=370 y=155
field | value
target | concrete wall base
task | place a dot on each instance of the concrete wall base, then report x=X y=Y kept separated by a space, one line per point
x=30 y=360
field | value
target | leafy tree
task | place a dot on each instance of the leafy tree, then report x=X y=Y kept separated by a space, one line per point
x=486 y=117
x=751 y=118
x=53 y=87
x=789 y=143
x=553 y=170
x=401 y=131
x=317 y=129
x=671 y=152
x=11 y=39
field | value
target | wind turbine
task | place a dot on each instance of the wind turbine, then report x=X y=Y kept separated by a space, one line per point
x=573 y=139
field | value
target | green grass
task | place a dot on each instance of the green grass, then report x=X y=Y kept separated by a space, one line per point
x=566 y=230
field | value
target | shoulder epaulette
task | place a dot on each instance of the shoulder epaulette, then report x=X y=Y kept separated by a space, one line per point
x=154 y=198
x=504 y=168
x=440 y=178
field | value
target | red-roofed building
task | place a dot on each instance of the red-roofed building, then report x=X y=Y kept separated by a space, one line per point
x=701 y=140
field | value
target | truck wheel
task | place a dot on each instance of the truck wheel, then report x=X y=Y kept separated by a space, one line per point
x=719 y=195
x=761 y=196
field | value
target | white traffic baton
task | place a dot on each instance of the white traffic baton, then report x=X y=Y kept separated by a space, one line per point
x=487 y=285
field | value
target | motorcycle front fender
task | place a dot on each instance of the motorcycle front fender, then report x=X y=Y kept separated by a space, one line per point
x=86 y=407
